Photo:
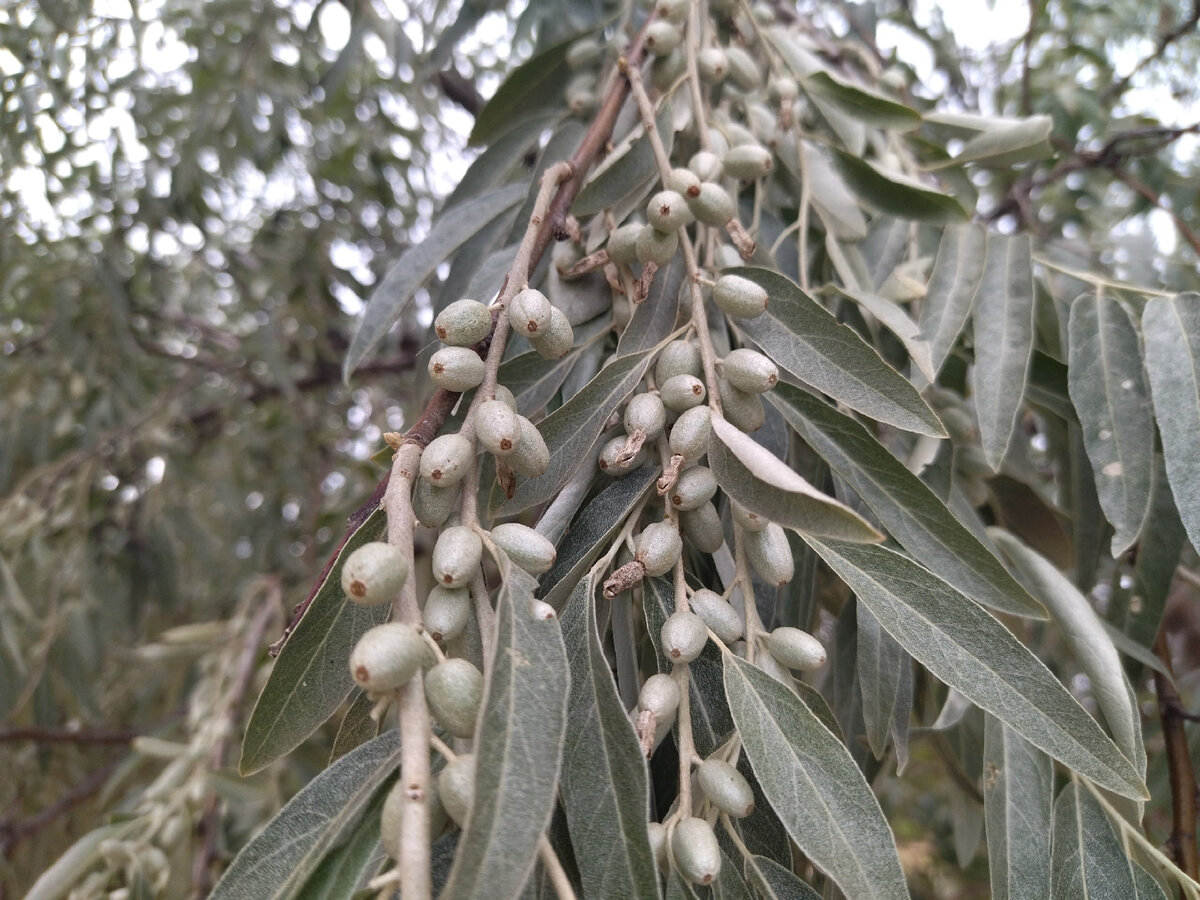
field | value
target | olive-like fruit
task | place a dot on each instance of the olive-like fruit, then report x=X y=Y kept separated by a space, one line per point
x=456 y=787
x=683 y=636
x=695 y=487
x=721 y=618
x=525 y=547
x=661 y=37
x=454 y=689
x=446 y=612
x=622 y=244
x=463 y=323
x=682 y=392
x=374 y=573
x=386 y=657
x=660 y=696
x=677 y=358
x=532 y=456
x=645 y=412
x=658 y=548
x=529 y=312
x=456 y=369
x=668 y=211
x=742 y=410
x=690 y=433
x=456 y=556
x=796 y=649
x=713 y=65
x=446 y=460
x=769 y=554
x=702 y=526
x=654 y=246
x=610 y=461
x=748 y=519
x=726 y=788
x=740 y=296
x=696 y=851
x=497 y=427
x=712 y=205
x=557 y=339
x=750 y=371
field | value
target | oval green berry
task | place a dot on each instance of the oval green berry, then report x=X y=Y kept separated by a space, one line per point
x=658 y=843
x=743 y=411
x=748 y=161
x=374 y=573
x=433 y=505
x=713 y=65
x=557 y=339
x=743 y=70
x=529 y=312
x=645 y=412
x=740 y=296
x=682 y=392
x=609 y=459
x=782 y=88
x=718 y=614
x=446 y=612
x=683 y=636
x=456 y=556
x=654 y=246
x=456 y=787
x=456 y=368
x=532 y=456
x=749 y=520
x=525 y=547
x=683 y=181
x=726 y=788
x=677 y=358
x=702 y=526
x=386 y=657
x=660 y=697
x=584 y=52
x=463 y=323
x=622 y=244
x=658 y=547
x=668 y=211
x=707 y=166
x=454 y=689
x=695 y=487
x=712 y=205
x=750 y=371
x=497 y=427
x=796 y=649
x=446 y=460
x=769 y=554
x=661 y=37
x=690 y=433
x=696 y=851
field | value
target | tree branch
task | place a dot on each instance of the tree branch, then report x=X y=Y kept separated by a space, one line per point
x=1164 y=41
x=1182 y=843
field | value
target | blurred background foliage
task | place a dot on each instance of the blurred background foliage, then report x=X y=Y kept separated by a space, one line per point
x=198 y=196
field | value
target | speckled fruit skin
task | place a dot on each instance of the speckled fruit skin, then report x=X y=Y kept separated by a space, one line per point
x=374 y=573
x=456 y=556
x=386 y=657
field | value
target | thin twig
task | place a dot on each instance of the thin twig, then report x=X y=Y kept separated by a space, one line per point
x=69 y=735
x=558 y=875
x=1182 y=843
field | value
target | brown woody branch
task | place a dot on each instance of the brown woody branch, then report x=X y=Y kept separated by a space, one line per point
x=1164 y=41
x=1182 y=843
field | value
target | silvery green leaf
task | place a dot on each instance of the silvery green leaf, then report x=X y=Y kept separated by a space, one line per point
x=628 y=168
x=356 y=728
x=813 y=785
x=893 y=317
x=589 y=535
x=967 y=648
x=881 y=666
x=729 y=884
x=1171 y=326
x=519 y=742
x=351 y=864
x=311 y=678
x=905 y=505
x=533 y=379
x=833 y=201
x=605 y=785
x=1111 y=397
x=896 y=194
x=1018 y=791
x=774 y=882
x=802 y=337
x=998 y=142
x=394 y=293
x=279 y=860
x=654 y=318
x=1154 y=571
x=1090 y=644
x=753 y=476
x=957 y=269
x=1145 y=885
x=572 y=429
x=1089 y=862
x=1003 y=317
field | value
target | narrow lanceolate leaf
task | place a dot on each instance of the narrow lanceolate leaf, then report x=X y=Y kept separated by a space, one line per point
x=535 y=85
x=893 y=317
x=1018 y=796
x=1145 y=885
x=753 y=476
x=605 y=785
x=356 y=860
x=913 y=514
x=1171 y=326
x=1003 y=340
x=1110 y=396
x=896 y=195
x=519 y=742
x=572 y=429
x=589 y=535
x=952 y=285
x=625 y=169
x=997 y=142
x=655 y=317
x=967 y=648
x=863 y=104
x=813 y=785
x=278 y=862
x=806 y=340
x=395 y=291
x=311 y=678
x=775 y=882
x=1090 y=644
x=1089 y=861
x=881 y=663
